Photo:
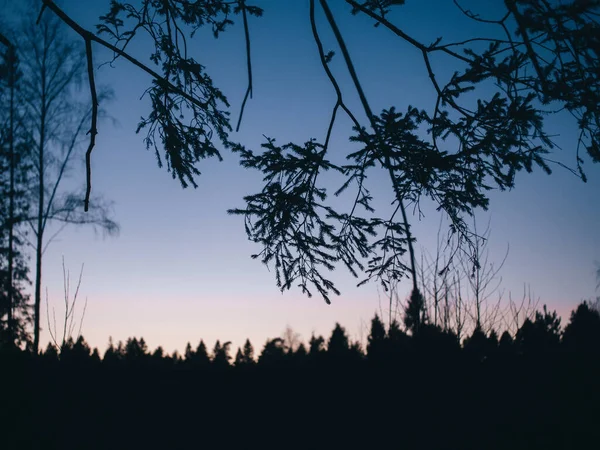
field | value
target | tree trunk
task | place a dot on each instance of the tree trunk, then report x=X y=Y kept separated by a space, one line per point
x=40 y=223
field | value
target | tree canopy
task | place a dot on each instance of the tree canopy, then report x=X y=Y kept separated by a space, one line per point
x=537 y=59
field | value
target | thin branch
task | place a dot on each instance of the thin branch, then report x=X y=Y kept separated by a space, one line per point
x=66 y=283
x=93 y=129
x=476 y=17
x=82 y=317
x=393 y=28
x=348 y=60
x=54 y=236
x=63 y=168
x=52 y=334
x=249 y=63
x=72 y=312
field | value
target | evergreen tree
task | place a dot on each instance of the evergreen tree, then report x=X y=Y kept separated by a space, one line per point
x=414 y=312
x=300 y=355
x=582 y=333
x=176 y=358
x=493 y=339
x=338 y=345
x=135 y=351
x=245 y=357
x=239 y=358
x=201 y=358
x=159 y=353
x=221 y=355
x=506 y=344
x=478 y=346
x=248 y=352
x=157 y=359
x=376 y=341
x=356 y=352
x=189 y=353
x=95 y=357
x=540 y=336
x=15 y=174
x=316 y=349
x=398 y=340
x=75 y=352
x=50 y=354
x=114 y=354
x=273 y=353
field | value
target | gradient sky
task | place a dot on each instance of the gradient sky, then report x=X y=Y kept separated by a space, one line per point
x=180 y=270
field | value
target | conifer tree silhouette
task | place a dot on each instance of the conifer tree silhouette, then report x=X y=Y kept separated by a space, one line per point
x=582 y=333
x=273 y=353
x=376 y=341
x=221 y=356
x=338 y=345
x=540 y=336
x=415 y=315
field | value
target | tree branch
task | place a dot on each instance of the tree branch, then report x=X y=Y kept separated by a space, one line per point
x=248 y=61
x=93 y=129
x=371 y=118
x=88 y=37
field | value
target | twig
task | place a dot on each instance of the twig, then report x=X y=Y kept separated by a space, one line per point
x=93 y=129
x=52 y=334
x=393 y=28
x=249 y=63
x=82 y=317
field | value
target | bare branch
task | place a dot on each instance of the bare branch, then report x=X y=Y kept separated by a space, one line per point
x=248 y=61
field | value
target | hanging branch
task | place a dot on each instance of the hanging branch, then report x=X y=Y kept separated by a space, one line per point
x=248 y=62
x=88 y=38
x=93 y=129
x=369 y=113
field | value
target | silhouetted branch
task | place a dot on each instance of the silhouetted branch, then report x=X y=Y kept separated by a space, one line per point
x=64 y=165
x=93 y=129
x=514 y=10
x=248 y=62
x=518 y=313
x=369 y=113
x=477 y=18
x=88 y=38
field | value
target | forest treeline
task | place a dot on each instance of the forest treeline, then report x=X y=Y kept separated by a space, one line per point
x=539 y=337
x=412 y=387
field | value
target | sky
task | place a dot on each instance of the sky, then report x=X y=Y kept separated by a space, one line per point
x=180 y=269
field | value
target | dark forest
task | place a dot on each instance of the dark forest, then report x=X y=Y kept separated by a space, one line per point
x=418 y=389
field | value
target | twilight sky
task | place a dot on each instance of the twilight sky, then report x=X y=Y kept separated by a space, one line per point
x=180 y=270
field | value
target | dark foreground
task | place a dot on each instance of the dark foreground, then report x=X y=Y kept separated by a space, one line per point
x=508 y=402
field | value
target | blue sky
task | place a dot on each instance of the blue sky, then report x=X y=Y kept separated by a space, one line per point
x=181 y=270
